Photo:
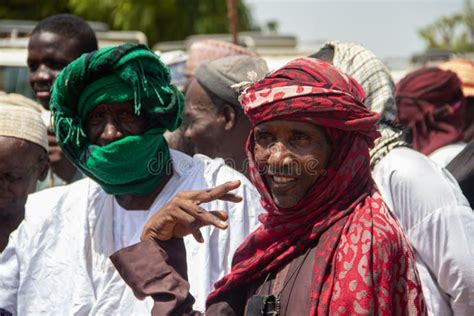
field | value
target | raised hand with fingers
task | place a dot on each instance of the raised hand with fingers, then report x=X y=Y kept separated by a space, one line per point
x=183 y=215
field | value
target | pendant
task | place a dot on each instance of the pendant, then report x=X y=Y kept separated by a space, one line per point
x=263 y=305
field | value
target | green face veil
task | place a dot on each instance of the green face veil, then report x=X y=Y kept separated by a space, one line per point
x=134 y=164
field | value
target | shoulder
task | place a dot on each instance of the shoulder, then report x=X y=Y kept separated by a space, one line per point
x=417 y=180
x=49 y=202
x=445 y=154
x=373 y=223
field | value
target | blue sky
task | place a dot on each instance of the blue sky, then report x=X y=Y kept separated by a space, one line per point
x=387 y=27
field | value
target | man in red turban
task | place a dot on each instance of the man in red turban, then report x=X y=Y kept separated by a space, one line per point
x=430 y=104
x=327 y=244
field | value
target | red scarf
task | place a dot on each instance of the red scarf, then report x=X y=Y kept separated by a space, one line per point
x=338 y=204
x=430 y=103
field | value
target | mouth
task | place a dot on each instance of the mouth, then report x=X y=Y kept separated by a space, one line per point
x=280 y=183
x=42 y=90
x=282 y=179
x=42 y=94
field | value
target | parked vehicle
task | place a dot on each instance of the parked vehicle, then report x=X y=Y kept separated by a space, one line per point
x=14 y=36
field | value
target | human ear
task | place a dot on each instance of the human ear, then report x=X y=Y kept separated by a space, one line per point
x=43 y=168
x=230 y=116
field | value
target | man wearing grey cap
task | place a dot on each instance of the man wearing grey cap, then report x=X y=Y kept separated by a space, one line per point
x=23 y=159
x=215 y=122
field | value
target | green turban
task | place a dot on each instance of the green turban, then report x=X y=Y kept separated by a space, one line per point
x=134 y=164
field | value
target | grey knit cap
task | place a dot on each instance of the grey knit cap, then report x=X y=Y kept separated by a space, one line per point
x=219 y=75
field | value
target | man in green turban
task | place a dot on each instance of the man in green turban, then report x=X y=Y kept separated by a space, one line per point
x=111 y=108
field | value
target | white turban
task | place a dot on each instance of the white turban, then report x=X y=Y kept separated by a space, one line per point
x=20 y=117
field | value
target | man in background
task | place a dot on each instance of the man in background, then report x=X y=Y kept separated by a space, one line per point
x=215 y=123
x=201 y=51
x=23 y=159
x=55 y=42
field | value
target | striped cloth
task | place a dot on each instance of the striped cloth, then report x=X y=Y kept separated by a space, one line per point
x=371 y=73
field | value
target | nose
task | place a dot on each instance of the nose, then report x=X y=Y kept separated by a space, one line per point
x=279 y=155
x=188 y=133
x=43 y=73
x=110 y=133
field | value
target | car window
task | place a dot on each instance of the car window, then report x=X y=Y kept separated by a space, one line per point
x=14 y=79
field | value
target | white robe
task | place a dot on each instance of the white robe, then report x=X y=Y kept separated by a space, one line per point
x=57 y=261
x=439 y=223
x=443 y=156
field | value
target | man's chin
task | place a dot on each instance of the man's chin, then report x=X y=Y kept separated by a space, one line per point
x=44 y=104
x=44 y=101
x=7 y=211
x=284 y=202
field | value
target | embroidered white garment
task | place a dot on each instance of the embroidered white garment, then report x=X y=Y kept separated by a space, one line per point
x=57 y=261
x=439 y=223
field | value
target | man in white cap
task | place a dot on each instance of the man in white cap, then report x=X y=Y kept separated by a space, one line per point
x=23 y=159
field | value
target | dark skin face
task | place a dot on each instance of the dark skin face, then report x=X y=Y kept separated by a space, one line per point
x=22 y=165
x=204 y=125
x=48 y=54
x=110 y=122
x=290 y=156
x=209 y=121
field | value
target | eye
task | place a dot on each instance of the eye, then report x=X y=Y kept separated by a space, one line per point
x=300 y=139
x=32 y=66
x=95 y=118
x=57 y=65
x=263 y=138
x=127 y=116
x=12 y=178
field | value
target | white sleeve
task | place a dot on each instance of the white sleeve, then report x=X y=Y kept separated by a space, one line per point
x=243 y=219
x=437 y=220
x=9 y=276
x=445 y=242
x=210 y=261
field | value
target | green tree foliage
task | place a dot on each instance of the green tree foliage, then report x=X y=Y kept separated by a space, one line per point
x=454 y=33
x=31 y=10
x=160 y=20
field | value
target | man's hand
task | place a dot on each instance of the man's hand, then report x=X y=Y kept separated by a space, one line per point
x=55 y=152
x=183 y=215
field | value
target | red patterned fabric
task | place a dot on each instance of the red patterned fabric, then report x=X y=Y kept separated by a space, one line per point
x=430 y=103
x=363 y=262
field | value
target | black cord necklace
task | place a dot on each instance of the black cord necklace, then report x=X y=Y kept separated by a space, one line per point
x=270 y=305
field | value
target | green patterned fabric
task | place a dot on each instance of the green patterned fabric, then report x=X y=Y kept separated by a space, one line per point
x=134 y=164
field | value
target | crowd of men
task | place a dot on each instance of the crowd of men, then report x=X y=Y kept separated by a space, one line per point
x=320 y=188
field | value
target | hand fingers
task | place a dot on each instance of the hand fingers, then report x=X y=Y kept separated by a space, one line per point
x=52 y=139
x=217 y=192
x=165 y=225
x=202 y=215
x=55 y=154
x=198 y=236
x=231 y=197
x=198 y=224
x=223 y=216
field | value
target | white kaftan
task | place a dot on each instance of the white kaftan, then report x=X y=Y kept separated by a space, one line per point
x=57 y=261
x=443 y=156
x=439 y=223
